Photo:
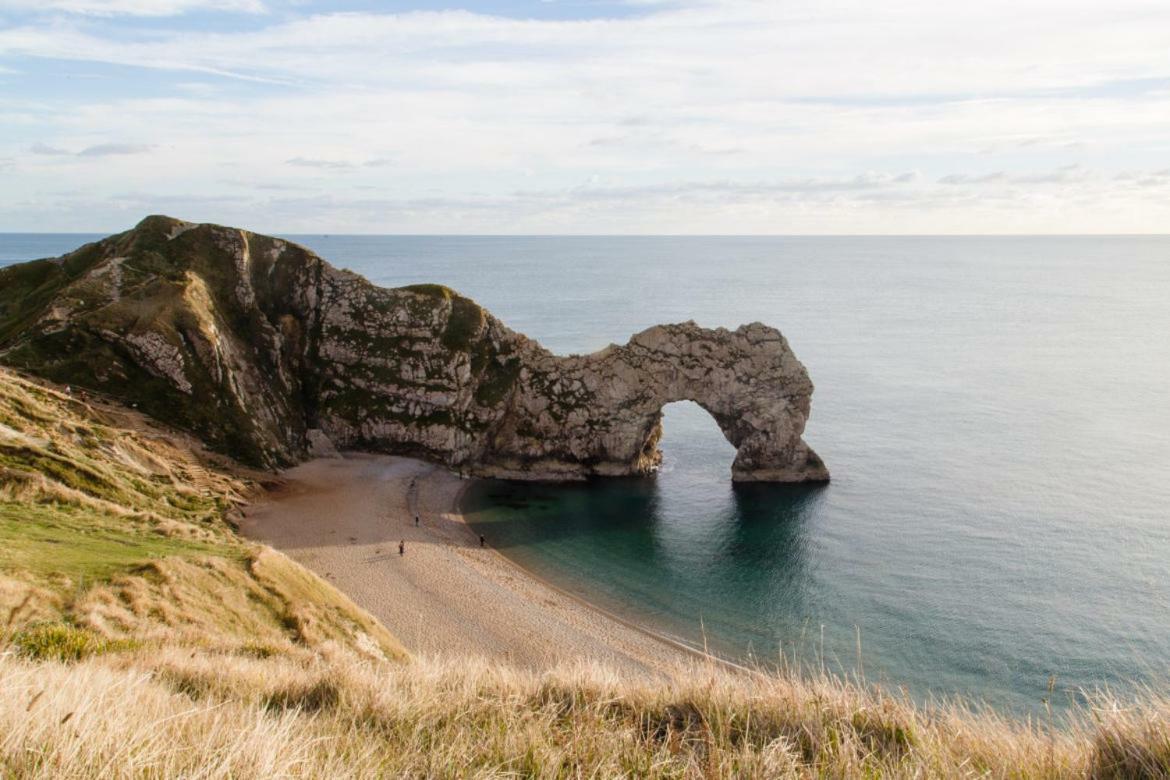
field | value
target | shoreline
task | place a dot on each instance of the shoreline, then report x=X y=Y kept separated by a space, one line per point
x=343 y=518
x=676 y=643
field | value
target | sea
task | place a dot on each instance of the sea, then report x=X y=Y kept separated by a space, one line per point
x=995 y=412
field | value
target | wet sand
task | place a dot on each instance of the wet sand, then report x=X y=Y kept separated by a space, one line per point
x=344 y=519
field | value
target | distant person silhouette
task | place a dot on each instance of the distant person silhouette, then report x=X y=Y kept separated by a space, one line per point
x=416 y=521
x=402 y=548
x=482 y=541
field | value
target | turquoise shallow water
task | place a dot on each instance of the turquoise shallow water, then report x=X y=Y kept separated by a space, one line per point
x=995 y=412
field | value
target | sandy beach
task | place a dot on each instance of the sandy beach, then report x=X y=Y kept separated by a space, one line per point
x=344 y=519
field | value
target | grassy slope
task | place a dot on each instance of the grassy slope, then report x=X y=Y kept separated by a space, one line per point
x=114 y=528
x=141 y=637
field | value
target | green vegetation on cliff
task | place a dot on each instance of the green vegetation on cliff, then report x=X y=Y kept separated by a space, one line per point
x=463 y=325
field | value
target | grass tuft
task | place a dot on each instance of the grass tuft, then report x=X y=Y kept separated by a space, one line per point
x=62 y=642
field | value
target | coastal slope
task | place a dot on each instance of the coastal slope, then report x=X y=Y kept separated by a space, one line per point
x=118 y=532
x=271 y=355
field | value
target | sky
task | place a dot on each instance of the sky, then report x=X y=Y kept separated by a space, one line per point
x=584 y=117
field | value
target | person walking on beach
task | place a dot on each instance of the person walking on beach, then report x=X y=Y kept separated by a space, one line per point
x=402 y=548
x=416 y=521
x=482 y=541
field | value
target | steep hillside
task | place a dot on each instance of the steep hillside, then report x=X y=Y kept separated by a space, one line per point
x=113 y=528
x=167 y=318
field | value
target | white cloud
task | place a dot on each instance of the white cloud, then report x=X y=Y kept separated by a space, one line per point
x=131 y=7
x=742 y=50
x=96 y=150
x=900 y=204
x=1064 y=175
x=52 y=151
x=755 y=116
x=112 y=150
x=306 y=162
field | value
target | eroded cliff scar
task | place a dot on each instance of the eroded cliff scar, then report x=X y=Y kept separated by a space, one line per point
x=270 y=353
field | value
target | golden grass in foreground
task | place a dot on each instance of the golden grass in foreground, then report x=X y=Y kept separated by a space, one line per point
x=172 y=712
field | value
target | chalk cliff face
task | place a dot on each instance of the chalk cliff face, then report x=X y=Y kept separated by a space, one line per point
x=272 y=355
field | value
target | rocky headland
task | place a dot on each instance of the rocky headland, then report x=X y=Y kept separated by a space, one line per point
x=272 y=355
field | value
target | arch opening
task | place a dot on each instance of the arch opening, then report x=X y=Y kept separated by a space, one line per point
x=687 y=437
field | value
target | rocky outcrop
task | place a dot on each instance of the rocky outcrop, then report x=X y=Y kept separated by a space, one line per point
x=602 y=413
x=272 y=354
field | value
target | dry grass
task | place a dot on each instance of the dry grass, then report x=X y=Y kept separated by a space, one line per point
x=56 y=447
x=113 y=528
x=88 y=491
x=171 y=712
x=267 y=601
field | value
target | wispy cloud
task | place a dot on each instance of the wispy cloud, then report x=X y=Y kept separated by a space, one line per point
x=97 y=150
x=113 y=150
x=309 y=162
x=719 y=115
x=131 y=7
x=908 y=202
x=1062 y=175
x=52 y=151
x=729 y=189
x=1065 y=174
x=338 y=165
x=1145 y=180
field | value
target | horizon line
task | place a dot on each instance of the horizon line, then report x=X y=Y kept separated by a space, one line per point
x=330 y=234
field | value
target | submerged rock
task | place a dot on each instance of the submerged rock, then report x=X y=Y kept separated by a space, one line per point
x=272 y=355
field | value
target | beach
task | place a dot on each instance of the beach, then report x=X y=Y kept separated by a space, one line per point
x=344 y=518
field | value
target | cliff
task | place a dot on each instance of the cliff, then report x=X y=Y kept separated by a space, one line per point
x=270 y=354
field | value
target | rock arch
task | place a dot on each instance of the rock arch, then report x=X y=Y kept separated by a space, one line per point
x=601 y=414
